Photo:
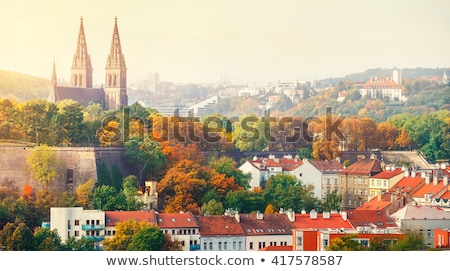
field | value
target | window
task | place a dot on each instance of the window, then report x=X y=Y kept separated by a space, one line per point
x=225 y=245
x=69 y=175
x=210 y=245
x=220 y=245
x=77 y=222
x=205 y=246
x=359 y=180
x=251 y=245
x=240 y=245
x=299 y=241
x=234 y=245
x=77 y=233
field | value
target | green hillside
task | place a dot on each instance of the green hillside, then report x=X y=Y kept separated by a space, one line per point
x=21 y=87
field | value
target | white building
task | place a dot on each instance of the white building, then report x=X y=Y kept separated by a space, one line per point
x=384 y=88
x=78 y=223
x=323 y=175
x=261 y=169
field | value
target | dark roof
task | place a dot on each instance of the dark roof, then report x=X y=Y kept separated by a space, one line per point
x=266 y=224
x=219 y=225
x=365 y=166
x=82 y=95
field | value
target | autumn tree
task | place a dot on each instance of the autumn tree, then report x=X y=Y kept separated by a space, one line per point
x=47 y=240
x=42 y=164
x=84 y=193
x=123 y=237
x=345 y=243
x=228 y=166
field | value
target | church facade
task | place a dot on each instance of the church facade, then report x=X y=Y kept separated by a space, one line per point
x=113 y=95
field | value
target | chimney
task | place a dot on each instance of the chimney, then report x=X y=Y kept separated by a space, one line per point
x=427 y=179
x=281 y=210
x=379 y=197
x=291 y=215
x=344 y=215
x=423 y=174
x=259 y=215
x=435 y=178
x=445 y=180
x=326 y=215
x=393 y=196
x=303 y=212
x=406 y=172
x=238 y=217
x=313 y=214
x=413 y=173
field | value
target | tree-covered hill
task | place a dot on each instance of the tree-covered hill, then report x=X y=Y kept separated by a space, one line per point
x=22 y=87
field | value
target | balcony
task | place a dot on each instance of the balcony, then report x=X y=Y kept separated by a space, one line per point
x=95 y=238
x=194 y=247
x=90 y=227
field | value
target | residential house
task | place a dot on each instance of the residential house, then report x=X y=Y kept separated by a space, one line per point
x=182 y=227
x=319 y=239
x=354 y=181
x=220 y=233
x=114 y=217
x=384 y=180
x=372 y=221
x=261 y=169
x=78 y=223
x=422 y=219
x=389 y=202
x=263 y=230
x=441 y=238
x=321 y=174
x=436 y=185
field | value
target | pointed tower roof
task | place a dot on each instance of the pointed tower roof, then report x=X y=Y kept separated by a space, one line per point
x=54 y=78
x=81 y=59
x=115 y=58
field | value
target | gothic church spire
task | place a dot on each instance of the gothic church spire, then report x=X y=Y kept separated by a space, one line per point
x=81 y=64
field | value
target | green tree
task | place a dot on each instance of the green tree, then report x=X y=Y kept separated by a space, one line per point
x=146 y=154
x=22 y=239
x=345 y=243
x=148 y=239
x=212 y=207
x=47 y=240
x=413 y=241
x=286 y=191
x=245 y=201
x=249 y=134
x=83 y=244
x=69 y=123
x=42 y=164
x=130 y=189
x=107 y=198
x=332 y=201
x=228 y=166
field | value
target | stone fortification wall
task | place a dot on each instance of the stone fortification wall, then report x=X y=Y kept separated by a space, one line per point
x=76 y=164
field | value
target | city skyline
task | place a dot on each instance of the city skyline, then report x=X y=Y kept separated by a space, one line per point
x=249 y=42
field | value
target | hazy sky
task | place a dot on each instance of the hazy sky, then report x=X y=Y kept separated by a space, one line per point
x=251 y=41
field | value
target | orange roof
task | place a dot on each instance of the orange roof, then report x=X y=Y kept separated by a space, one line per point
x=277 y=248
x=382 y=83
x=365 y=166
x=430 y=189
x=112 y=217
x=363 y=218
x=219 y=225
x=408 y=184
x=304 y=221
x=378 y=203
x=184 y=220
x=387 y=174
x=446 y=195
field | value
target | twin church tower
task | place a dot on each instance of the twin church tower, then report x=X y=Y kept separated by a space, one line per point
x=114 y=93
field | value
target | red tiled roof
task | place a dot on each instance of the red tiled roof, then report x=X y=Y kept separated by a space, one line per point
x=381 y=83
x=304 y=221
x=387 y=174
x=112 y=217
x=219 y=225
x=288 y=164
x=363 y=218
x=446 y=195
x=277 y=248
x=429 y=189
x=269 y=224
x=408 y=184
x=184 y=220
x=332 y=166
x=366 y=166
x=378 y=203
